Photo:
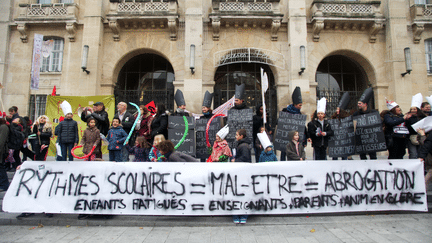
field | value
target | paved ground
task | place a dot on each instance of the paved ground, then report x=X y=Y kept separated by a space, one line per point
x=364 y=228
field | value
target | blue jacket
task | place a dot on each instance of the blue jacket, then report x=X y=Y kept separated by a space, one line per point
x=116 y=137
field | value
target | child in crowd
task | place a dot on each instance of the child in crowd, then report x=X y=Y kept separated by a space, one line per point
x=67 y=132
x=267 y=155
x=116 y=136
x=141 y=149
x=295 y=150
x=221 y=151
x=90 y=138
x=243 y=154
x=155 y=155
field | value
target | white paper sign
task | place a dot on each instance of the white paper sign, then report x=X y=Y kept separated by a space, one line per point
x=217 y=188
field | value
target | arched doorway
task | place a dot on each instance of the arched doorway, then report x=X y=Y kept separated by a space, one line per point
x=228 y=76
x=145 y=78
x=338 y=74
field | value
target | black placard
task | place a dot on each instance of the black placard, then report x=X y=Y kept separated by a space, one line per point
x=286 y=123
x=239 y=119
x=369 y=134
x=201 y=142
x=342 y=143
x=176 y=129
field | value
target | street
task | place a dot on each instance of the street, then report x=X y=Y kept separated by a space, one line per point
x=353 y=228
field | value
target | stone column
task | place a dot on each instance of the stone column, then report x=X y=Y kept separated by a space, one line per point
x=93 y=37
x=297 y=36
x=192 y=84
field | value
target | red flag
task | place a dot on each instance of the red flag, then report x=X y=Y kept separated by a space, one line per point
x=151 y=107
x=54 y=91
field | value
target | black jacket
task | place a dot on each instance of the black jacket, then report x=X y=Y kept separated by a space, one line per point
x=101 y=118
x=67 y=131
x=319 y=141
x=127 y=121
x=159 y=125
x=243 y=153
x=44 y=136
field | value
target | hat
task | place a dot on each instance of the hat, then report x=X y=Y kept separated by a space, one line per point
x=417 y=100
x=98 y=103
x=208 y=97
x=296 y=96
x=367 y=95
x=429 y=99
x=66 y=107
x=179 y=98
x=344 y=101
x=321 y=105
x=264 y=139
x=390 y=104
x=239 y=91
x=223 y=132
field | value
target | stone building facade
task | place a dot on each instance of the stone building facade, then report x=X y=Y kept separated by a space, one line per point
x=143 y=50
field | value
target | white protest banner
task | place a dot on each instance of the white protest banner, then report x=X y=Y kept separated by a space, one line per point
x=217 y=188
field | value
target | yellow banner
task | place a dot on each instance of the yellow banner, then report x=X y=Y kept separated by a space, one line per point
x=54 y=112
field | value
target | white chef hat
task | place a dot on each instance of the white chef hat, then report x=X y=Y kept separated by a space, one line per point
x=321 y=105
x=417 y=100
x=223 y=132
x=66 y=108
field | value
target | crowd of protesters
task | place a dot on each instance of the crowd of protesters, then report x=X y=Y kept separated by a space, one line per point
x=146 y=136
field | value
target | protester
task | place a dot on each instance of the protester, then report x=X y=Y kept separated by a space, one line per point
x=159 y=124
x=67 y=132
x=155 y=155
x=141 y=150
x=416 y=115
x=98 y=112
x=295 y=108
x=4 y=135
x=206 y=105
x=341 y=113
x=181 y=104
x=126 y=120
x=90 y=138
x=143 y=124
x=42 y=128
x=363 y=108
x=221 y=152
x=267 y=155
x=320 y=131
x=116 y=137
x=294 y=149
x=166 y=148
x=395 y=131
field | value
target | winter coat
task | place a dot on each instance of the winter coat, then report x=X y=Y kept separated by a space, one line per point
x=319 y=141
x=159 y=125
x=268 y=156
x=127 y=121
x=102 y=120
x=44 y=137
x=116 y=137
x=16 y=136
x=243 y=153
x=90 y=138
x=140 y=154
x=219 y=149
x=395 y=126
x=291 y=150
x=179 y=157
x=67 y=131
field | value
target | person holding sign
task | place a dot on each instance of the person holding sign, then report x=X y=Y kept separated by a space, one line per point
x=181 y=104
x=363 y=108
x=319 y=131
x=206 y=105
x=295 y=108
x=395 y=130
x=221 y=152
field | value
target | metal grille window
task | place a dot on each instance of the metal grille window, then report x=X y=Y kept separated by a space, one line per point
x=53 y=62
x=428 y=52
x=37 y=106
